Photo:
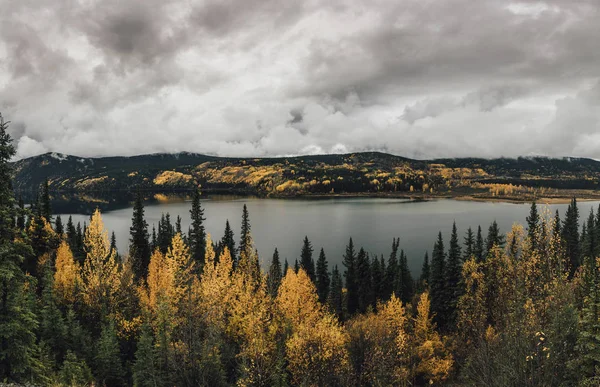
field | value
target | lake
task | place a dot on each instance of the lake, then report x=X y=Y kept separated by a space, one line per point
x=329 y=223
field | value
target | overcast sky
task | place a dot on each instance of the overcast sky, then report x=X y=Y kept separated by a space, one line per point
x=417 y=78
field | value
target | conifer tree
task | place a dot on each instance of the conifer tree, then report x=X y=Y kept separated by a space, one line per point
x=109 y=368
x=275 y=275
x=139 y=245
x=589 y=236
x=438 y=282
x=286 y=266
x=296 y=266
x=494 y=238
x=197 y=236
x=392 y=270
x=533 y=221
x=570 y=236
x=351 y=278
x=306 y=259
x=425 y=272
x=478 y=250
x=323 y=280
x=145 y=372
x=469 y=244
x=17 y=321
x=45 y=206
x=229 y=241
x=21 y=214
x=335 y=297
x=113 y=246
x=178 y=226
x=556 y=232
x=363 y=277
x=453 y=275
x=58 y=226
x=406 y=287
x=71 y=234
x=245 y=232
x=377 y=279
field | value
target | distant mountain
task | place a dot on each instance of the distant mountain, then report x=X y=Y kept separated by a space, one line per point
x=370 y=173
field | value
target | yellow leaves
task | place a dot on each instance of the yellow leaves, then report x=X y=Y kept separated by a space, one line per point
x=89 y=183
x=172 y=178
x=297 y=299
x=67 y=274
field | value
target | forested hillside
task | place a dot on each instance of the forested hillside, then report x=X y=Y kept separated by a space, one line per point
x=368 y=173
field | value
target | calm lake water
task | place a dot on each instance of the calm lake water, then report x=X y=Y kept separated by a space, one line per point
x=329 y=223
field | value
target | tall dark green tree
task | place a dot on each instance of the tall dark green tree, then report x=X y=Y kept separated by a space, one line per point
x=306 y=259
x=17 y=320
x=392 y=270
x=139 y=244
x=109 y=368
x=351 y=276
x=453 y=275
x=197 y=234
x=21 y=214
x=478 y=251
x=405 y=281
x=377 y=278
x=557 y=231
x=274 y=276
x=363 y=278
x=469 y=244
x=533 y=222
x=335 y=298
x=570 y=236
x=425 y=272
x=229 y=241
x=245 y=231
x=323 y=280
x=589 y=236
x=437 y=284
x=59 y=227
x=494 y=238
x=45 y=205
x=166 y=232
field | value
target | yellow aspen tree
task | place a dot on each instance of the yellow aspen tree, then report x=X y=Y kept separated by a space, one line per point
x=215 y=288
x=100 y=275
x=67 y=274
x=472 y=312
x=316 y=348
x=159 y=284
x=434 y=360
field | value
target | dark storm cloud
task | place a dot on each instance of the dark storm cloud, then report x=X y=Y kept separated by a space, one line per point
x=421 y=78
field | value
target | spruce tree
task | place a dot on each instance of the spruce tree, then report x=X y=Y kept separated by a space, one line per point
x=406 y=288
x=363 y=278
x=296 y=266
x=494 y=238
x=322 y=277
x=108 y=366
x=306 y=259
x=556 y=232
x=351 y=278
x=45 y=206
x=17 y=320
x=21 y=214
x=570 y=236
x=335 y=298
x=274 y=276
x=377 y=279
x=438 y=282
x=391 y=273
x=469 y=244
x=139 y=245
x=479 y=246
x=245 y=232
x=71 y=234
x=286 y=267
x=197 y=235
x=229 y=242
x=425 y=272
x=58 y=226
x=453 y=275
x=589 y=237
x=533 y=222
x=145 y=372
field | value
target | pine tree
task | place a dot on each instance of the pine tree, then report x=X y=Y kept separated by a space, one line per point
x=178 y=226
x=478 y=250
x=453 y=275
x=197 y=236
x=363 y=276
x=145 y=371
x=570 y=236
x=406 y=287
x=245 y=229
x=75 y=371
x=58 y=226
x=589 y=234
x=533 y=221
x=153 y=241
x=469 y=244
x=286 y=266
x=494 y=238
x=438 y=282
x=17 y=320
x=71 y=234
x=45 y=207
x=296 y=266
x=113 y=246
x=351 y=278
x=322 y=277
x=377 y=279
x=335 y=297
x=275 y=275
x=139 y=245
x=425 y=272
x=556 y=232
x=306 y=259
x=166 y=232
x=108 y=365
x=229 y=241
x=391 y=274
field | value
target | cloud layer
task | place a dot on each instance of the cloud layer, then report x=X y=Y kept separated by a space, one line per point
x=419 y=78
